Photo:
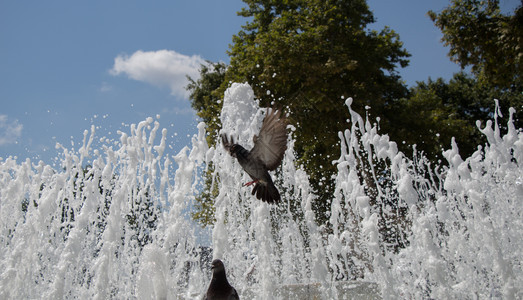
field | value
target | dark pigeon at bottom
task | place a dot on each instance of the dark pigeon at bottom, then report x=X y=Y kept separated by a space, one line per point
x=219 y=288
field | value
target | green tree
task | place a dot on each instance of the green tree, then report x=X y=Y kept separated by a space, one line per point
x=491 y=43
x=206 y=95
x=479 y=35
x=436 y=111
x=306 y=55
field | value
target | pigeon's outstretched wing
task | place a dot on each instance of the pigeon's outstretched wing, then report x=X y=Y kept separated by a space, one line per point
x=271 y=143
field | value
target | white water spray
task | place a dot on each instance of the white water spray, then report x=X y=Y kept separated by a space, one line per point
x=121 y=227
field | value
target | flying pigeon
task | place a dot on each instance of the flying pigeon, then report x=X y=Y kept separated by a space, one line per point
x=266 y=155
x=220 y=289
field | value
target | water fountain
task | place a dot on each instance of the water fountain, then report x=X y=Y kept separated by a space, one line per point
x=114 y=221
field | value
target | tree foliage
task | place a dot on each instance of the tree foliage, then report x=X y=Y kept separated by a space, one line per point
x=479 y=35
x=308 y=55
x=491 y=43
x=436 y=111
x=206 y=95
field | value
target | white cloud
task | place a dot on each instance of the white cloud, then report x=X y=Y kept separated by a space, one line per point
x=9 y=131
x=161 y=68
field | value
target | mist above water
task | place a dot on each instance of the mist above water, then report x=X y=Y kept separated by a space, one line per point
x=115 y=221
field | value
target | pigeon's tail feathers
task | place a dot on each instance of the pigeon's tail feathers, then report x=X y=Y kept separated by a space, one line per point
x=266 y=192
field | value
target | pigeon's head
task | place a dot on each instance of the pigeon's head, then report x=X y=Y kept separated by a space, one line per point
x=234 y=150
x=217 y=266
x=230 y=146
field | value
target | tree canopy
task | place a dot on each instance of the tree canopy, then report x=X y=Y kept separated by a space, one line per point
x=205 y=95
x=480 y=36
x=306 y=56
x=436 y=111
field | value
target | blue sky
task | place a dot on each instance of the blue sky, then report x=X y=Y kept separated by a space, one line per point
x=67 y=65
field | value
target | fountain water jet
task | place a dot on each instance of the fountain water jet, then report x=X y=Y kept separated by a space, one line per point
x=121 y=227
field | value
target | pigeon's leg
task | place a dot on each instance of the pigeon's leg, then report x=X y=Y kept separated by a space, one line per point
x=250 y=182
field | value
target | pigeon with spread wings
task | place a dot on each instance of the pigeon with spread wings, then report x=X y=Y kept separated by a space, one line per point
x=266 y=155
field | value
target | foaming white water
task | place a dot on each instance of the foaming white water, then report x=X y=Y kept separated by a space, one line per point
x=122 y=227
x=269 y=245
x=463 y=220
